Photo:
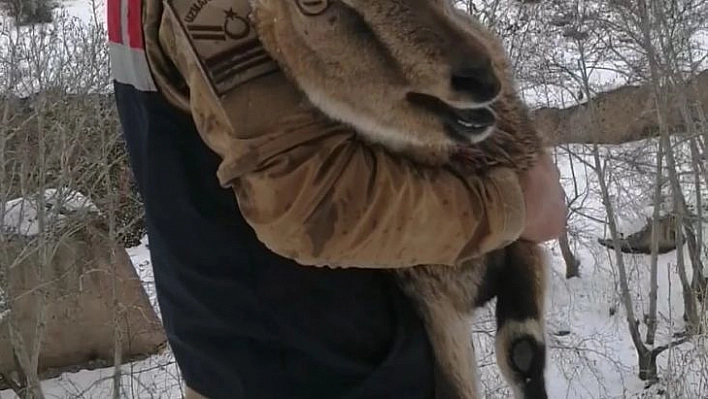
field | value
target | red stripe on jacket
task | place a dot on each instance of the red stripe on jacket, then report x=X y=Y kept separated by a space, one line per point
x=115 y=31
x=135 y=24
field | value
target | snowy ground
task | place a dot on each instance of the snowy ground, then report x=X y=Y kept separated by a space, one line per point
x=596 y=359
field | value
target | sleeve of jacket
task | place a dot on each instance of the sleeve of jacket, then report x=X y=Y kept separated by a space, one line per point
x=315 y=193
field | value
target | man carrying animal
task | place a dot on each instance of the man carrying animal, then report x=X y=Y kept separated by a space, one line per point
x=271 y=226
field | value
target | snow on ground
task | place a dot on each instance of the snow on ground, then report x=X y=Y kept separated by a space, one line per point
x=62 y=53
x=21 y=215
x=597 y=358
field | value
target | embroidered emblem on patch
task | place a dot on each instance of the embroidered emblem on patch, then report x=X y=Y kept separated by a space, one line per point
x=222 y=37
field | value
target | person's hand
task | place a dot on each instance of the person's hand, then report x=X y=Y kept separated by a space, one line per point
x=546 y=209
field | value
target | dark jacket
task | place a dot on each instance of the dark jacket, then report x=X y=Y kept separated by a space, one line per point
x=262 y=294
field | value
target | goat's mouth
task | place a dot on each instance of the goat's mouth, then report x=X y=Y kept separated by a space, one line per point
x=465 y=125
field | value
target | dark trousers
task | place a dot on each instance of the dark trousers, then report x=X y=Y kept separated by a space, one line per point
x=242 y=321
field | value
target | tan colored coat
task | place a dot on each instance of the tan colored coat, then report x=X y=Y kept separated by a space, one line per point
x=312 y=191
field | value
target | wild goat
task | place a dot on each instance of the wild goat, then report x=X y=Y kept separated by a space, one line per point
x=425 y=79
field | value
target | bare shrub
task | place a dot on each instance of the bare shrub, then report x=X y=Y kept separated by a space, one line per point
x=59 y=134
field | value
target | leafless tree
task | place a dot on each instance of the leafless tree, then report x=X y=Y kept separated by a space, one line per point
x=59 y=132
x=613 y=37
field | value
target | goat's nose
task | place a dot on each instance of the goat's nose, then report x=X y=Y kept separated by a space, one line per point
x=477 y=80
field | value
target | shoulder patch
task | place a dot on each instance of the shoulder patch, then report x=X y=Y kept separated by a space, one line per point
x=227 y=46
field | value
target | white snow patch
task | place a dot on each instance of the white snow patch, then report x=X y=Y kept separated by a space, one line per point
x=22 y=215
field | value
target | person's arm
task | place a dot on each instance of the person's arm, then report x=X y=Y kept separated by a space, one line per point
x=315 y=193
x=339 y=202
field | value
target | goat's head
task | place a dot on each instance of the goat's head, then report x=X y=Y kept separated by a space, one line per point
x=404 y=72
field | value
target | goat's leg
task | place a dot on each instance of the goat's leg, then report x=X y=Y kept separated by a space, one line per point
x=520 y=340
x=456 y=375
x=442 y=295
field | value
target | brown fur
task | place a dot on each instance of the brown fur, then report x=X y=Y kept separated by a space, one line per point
x=357 y=60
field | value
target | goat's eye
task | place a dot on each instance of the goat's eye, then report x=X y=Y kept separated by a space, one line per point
x=312 y=7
